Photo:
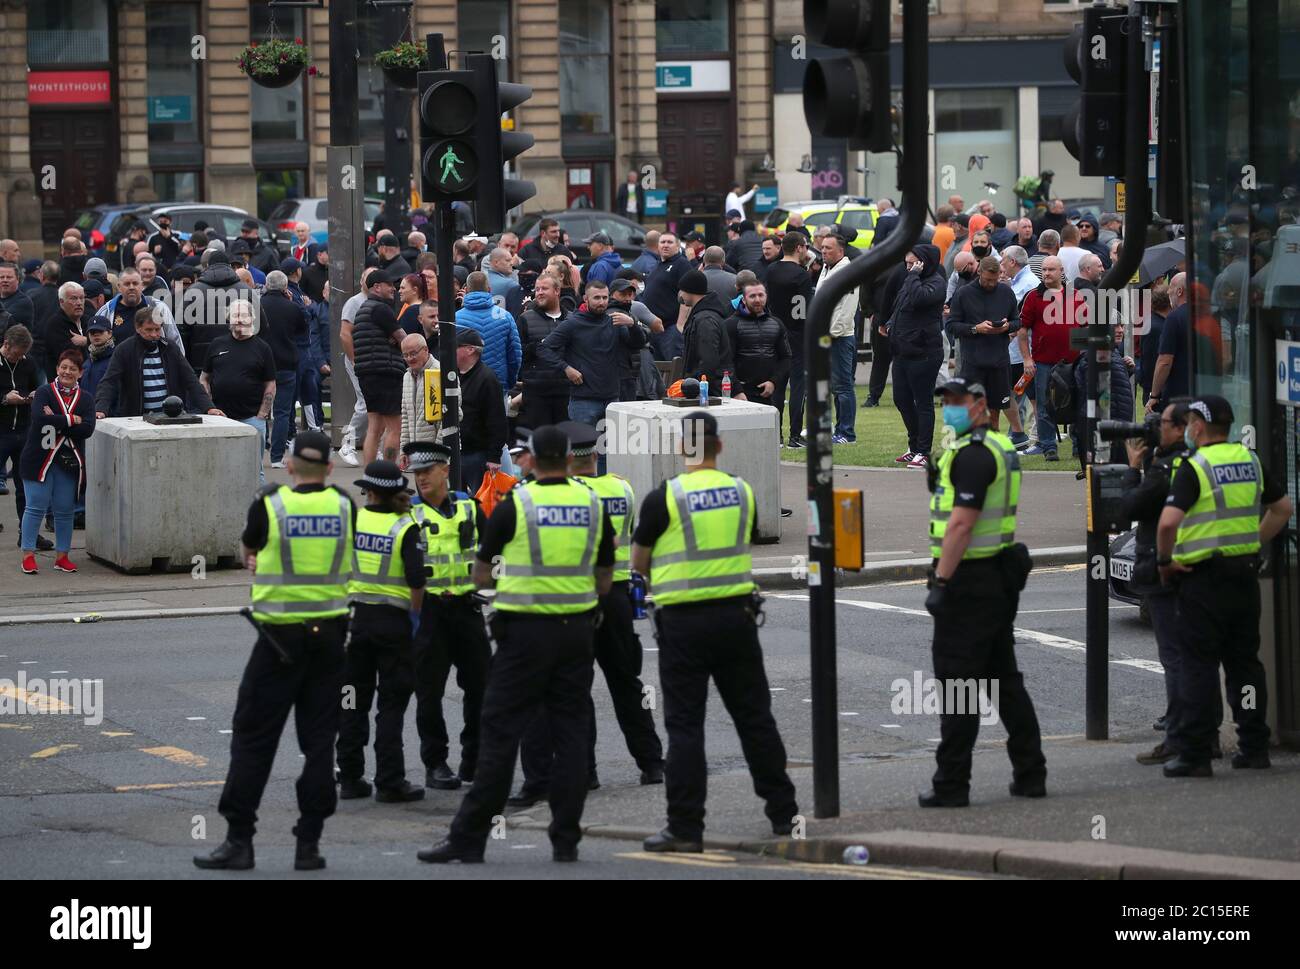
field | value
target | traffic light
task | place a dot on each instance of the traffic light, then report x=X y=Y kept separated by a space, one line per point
x=1095 y=55
x=848 y=97
x=449 y=117
x=497 y=194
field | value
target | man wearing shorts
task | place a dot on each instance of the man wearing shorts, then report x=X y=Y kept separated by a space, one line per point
x=376 y=339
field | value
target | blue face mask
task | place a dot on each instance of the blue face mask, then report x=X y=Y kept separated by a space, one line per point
x=1189 y=440
x=956 y=417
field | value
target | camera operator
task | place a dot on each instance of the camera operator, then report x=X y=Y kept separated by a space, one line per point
x=1145 y=489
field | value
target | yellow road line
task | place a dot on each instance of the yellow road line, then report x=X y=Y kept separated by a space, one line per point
x=36 y=702
x=15 y=726
x=176 y=756
x=117 y=733
x=124 y=788
x=51 y=751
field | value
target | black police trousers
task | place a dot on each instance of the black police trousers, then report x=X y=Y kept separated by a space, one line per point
x=542 y=666
x=311 y=685
x=1218 y=623
x=973 y=639
x=717 y=639
x=619 y=655
x=1162 y=607
x=451 y=633
x=379 y=661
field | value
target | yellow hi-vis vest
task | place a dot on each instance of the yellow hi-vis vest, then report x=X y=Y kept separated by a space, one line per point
x=995 y=529
x=378 y=575
x=548 y=567
x=1225 y=518
x=704 y=553
x=450 y=562
x=619 y=502
x=302 y=571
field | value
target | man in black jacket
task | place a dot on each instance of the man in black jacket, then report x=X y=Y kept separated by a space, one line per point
x=661 y=288
x=260 y=255
x=546 y=390
x=202 y=315
x=916 y=339
x=390 y=257
x=981 y=315
x=122 y=392
x=483 y=427
x=761 y=348
x=590 y=347
x=284 y=322
x=629 y=200
x=1143 y=501
x=65 y=329
x=19 y=378
x=164 y=246
x=546 y=245
x=746 y=250
x=708 y=351
x=789 y=295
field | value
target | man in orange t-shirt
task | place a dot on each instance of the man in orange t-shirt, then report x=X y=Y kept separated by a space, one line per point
x=943 y=231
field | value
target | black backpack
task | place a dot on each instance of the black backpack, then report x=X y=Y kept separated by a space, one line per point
x=1062 y=396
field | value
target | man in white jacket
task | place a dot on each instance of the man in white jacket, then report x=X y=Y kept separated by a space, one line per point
x=421 y=366
x=844 y=350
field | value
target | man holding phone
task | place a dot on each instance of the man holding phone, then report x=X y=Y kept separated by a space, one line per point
x=19 y=378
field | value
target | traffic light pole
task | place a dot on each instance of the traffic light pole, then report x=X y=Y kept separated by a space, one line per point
x=1137 y=215
x=817 y=351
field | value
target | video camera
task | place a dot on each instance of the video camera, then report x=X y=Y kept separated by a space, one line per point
x=1148 y=431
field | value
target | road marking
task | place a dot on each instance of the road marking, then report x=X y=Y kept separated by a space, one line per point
x=1036 y=612
x=847 y=713
x=709 y=859
x=127 y=788
x=1032 y=635
x=51 y=751
x=57 y=671
x=27 y=662
x=36 y=702
x=117 y=733
x=15 y=726
x=893 y=726
x=176 y=755
x=225 y=731
x=776 y=689
x=196 y=718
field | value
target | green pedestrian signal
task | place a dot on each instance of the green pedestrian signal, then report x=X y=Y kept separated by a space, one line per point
x=448 y=163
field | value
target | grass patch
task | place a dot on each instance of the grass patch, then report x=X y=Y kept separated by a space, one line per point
x=882 y=437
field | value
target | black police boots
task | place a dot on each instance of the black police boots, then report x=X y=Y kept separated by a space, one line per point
x=307 y=857
x=564 y=853
x=1028 y=789
x=526 y=798
x=445 y=852
x=653 y=775
x=403 y=792
x=665 y=840
x=1180 y=766
x=441 y=778
x=932 y=799
x=350 y=790
x=1256 y=761
x=230 y=855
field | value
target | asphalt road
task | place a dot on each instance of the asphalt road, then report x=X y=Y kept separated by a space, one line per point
x=129 y=797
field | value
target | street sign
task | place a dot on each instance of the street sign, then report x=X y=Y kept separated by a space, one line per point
x=1119 y=197
x=673 y=75
x=1288 y=372
x=433 y=396
x=170 y=109
x=656 y=201
x=765 y=199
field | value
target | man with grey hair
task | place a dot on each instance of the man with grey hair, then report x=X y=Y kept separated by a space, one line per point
x=1049 y=244
x=504 y=286
x=65 y=329
x=13 y=301
x=421 y=365
x=239 y=374
x=720 y=281
x=284 y=322
x=1090 y=271
x=119 y=312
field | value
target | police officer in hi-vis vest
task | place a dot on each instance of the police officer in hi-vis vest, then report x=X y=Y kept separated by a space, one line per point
x=386 y=592
x=692 y=542
x=549 y=552
x=975 y=583
x=1221 y=510
x=451 y=630
x=298 y=542
x=618 y=648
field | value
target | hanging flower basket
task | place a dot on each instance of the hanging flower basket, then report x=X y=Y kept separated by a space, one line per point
x=275 y=62
x=403 y=62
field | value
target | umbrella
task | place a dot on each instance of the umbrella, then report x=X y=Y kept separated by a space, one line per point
x=1158 y=260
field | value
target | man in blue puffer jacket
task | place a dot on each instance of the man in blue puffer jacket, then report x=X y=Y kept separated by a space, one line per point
x=605 y=262
x=502 y=351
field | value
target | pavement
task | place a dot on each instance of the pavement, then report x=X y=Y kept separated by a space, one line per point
x=896 y=540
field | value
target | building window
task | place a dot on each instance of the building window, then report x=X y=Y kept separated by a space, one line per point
x=278 y=113
x=176 y=186
x=274 y=187
x=584 y=67
x=173 y=74
x=67 y=32
x=692 y=26
x=370 y=82
x=484 y=26
x=976 y=153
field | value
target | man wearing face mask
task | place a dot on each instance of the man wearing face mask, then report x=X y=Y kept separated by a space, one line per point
x=979 y=570
x=964 y=271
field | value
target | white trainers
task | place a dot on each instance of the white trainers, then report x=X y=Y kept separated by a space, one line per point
x=348 y=447
x=277 y=464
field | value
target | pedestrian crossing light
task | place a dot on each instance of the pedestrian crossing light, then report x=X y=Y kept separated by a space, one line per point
x=848 y=97
x=1095 y=56
x=449 y=163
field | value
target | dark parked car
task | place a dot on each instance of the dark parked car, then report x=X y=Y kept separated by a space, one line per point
x=1122 y=554
x=628 y=236
x=184 y=215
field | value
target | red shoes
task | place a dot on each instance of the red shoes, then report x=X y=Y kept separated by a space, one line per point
x=29 y=564
x=64 y=564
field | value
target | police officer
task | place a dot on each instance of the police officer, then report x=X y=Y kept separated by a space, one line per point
x=297 y=541
x=975 y=586
x=520 y=455
x=386 y=592
x=451 y=627
x=1208 y=544
x=549 y=551
x=1146 y=487
x=618 y=648
x=692 y=540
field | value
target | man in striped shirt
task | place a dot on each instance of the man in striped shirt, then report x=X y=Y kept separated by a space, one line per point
x=144 y=371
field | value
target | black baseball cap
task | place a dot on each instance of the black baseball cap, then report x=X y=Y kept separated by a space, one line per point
x=961 y=386
x=1212 y=407
x=468 y=337
x=248 y=225
x=620 y=284
x=313 y=446
x=549 y=443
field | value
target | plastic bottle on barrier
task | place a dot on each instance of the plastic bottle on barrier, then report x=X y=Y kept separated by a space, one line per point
x=726 y=383
x=704 y=390
x=636 y=592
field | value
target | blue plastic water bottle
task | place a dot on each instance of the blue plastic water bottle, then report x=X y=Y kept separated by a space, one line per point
x=704 y=390
x=636 y=592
